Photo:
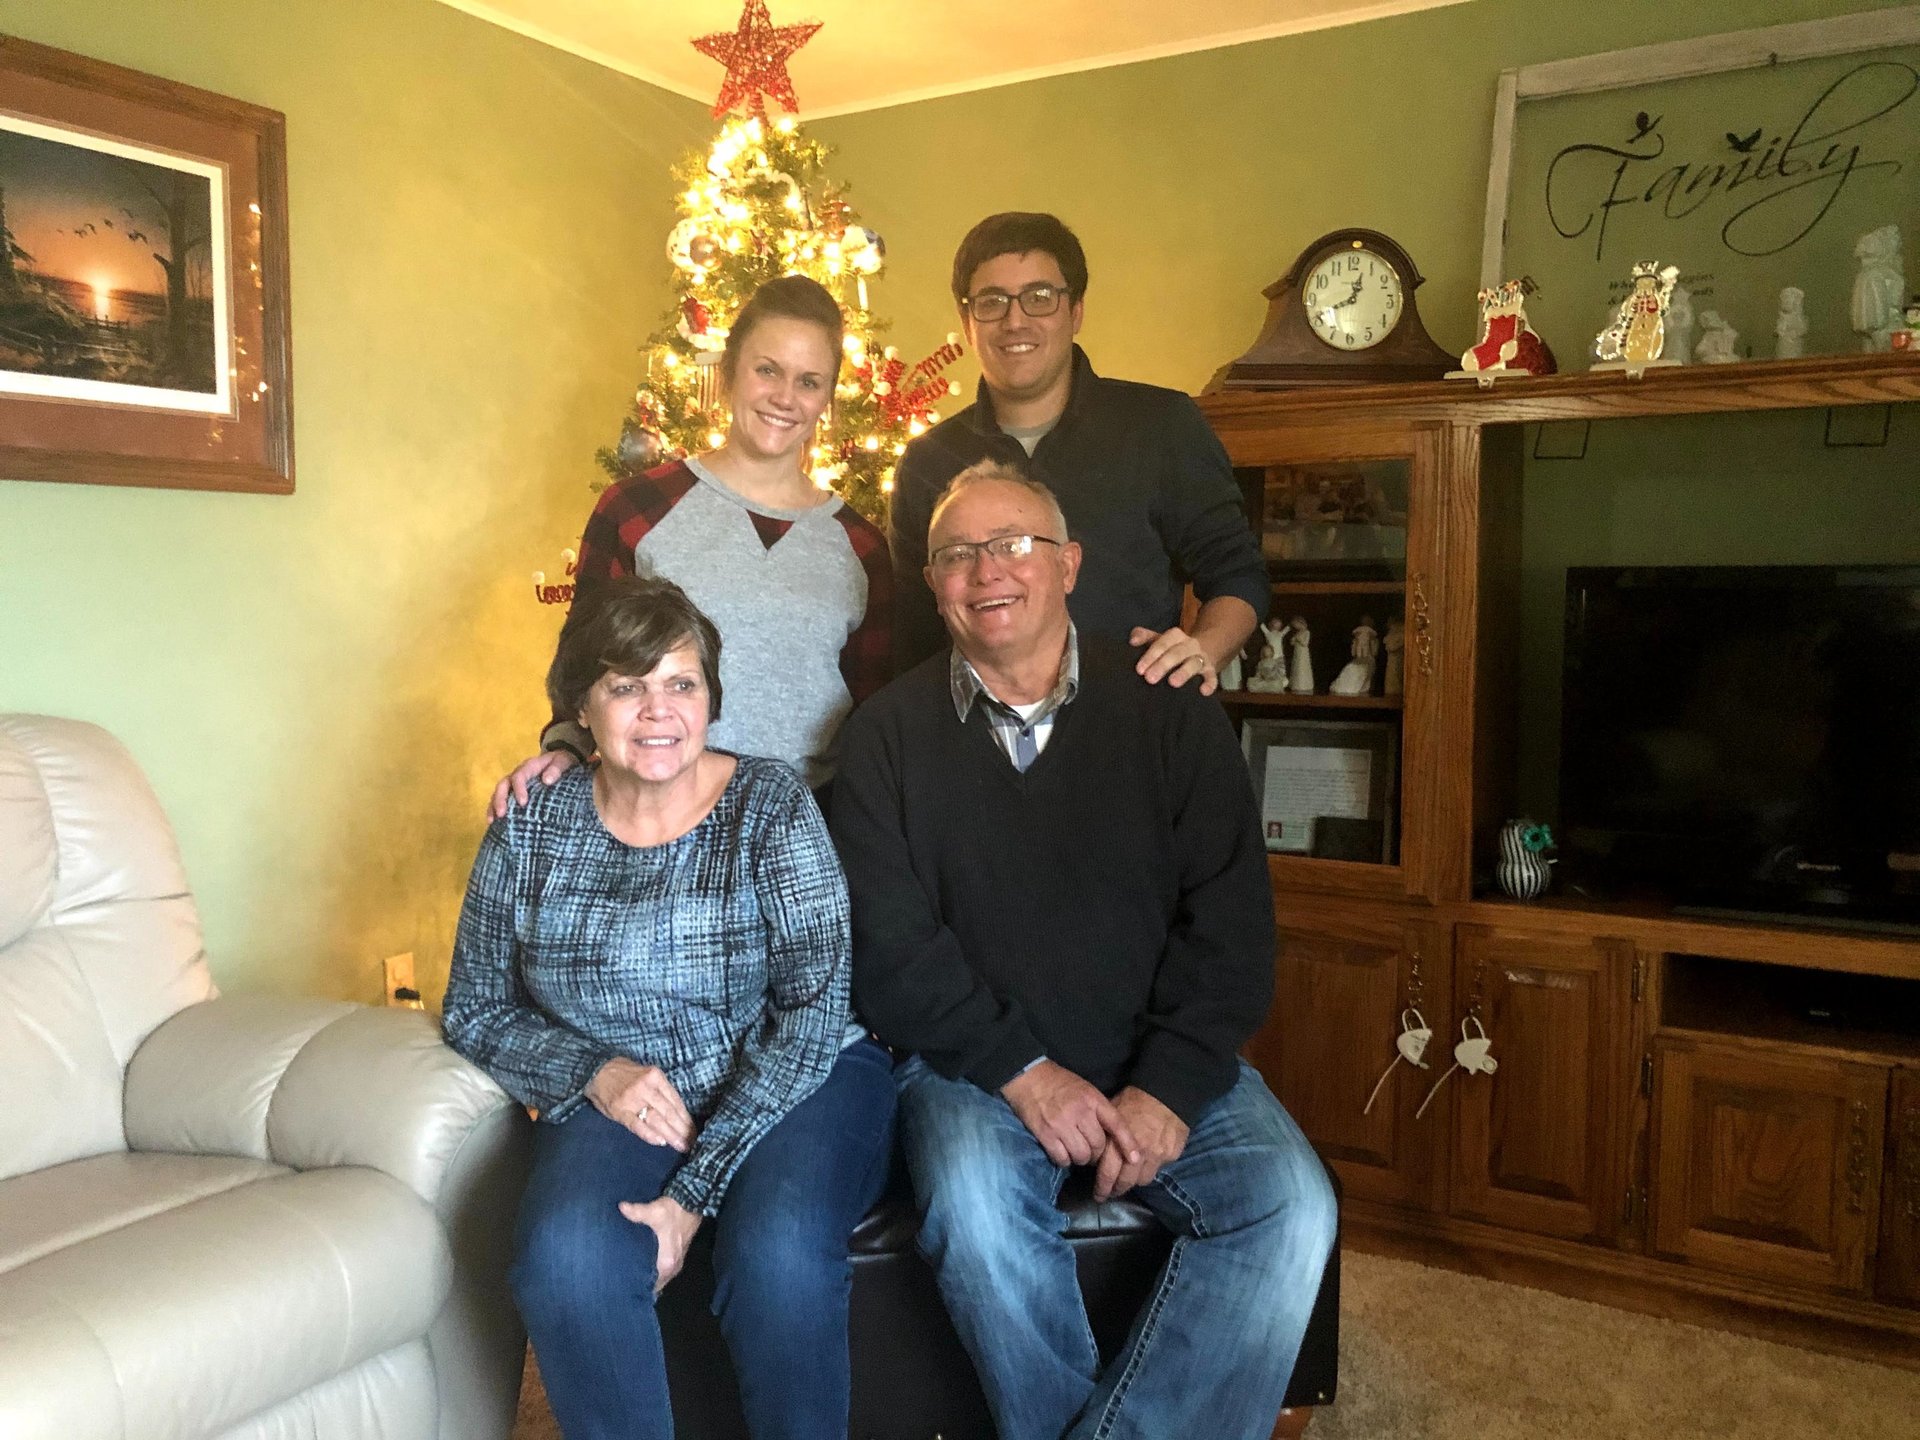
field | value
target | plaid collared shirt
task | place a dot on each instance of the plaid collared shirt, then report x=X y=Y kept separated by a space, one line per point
x=1008 y=728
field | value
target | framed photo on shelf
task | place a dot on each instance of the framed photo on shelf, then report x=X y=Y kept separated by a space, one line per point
x=1327 y=787
x=1332 y=520
x=144 y=311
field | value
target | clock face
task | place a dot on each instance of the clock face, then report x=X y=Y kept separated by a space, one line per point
x=1353 y=299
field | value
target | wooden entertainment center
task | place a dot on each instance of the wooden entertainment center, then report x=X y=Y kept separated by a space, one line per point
x=1666 y=1129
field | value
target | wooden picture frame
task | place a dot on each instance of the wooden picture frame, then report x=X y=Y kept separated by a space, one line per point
x=144 y=311
x=1349 y=767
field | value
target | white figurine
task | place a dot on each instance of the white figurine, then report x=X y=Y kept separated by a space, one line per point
x=1356 y=676
x=1270 y=674
x=1878 y=288
x=1719 y=341
x=1230 y=675
x=1300 y=673
x=1680 y=325
x=1395 y=645
x=1790 y=326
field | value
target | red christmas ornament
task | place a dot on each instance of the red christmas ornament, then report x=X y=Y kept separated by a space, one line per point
x=755 y=54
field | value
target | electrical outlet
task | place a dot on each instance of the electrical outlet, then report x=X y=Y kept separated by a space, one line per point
x=401 y=989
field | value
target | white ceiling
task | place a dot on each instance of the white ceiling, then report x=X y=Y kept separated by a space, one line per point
x=883 y=52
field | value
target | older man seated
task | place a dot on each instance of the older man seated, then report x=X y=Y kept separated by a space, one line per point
x=1061 y=912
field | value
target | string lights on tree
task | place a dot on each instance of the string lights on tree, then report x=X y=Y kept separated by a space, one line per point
x=758 y=205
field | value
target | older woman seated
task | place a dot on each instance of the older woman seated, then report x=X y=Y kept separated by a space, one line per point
x=653 y=953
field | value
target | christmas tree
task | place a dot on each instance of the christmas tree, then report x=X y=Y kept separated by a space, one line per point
x=756 y=206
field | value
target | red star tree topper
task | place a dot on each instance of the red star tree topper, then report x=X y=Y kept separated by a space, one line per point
x=755 y=53
x=756 y=205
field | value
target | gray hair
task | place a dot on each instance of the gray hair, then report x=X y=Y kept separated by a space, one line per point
x=982 y=471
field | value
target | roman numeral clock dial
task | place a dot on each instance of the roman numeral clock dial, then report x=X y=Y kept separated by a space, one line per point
x=1343 y=315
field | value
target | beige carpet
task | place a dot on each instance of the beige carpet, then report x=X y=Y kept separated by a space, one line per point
x=1432 y=1355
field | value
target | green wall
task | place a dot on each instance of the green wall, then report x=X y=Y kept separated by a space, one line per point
x=1756 y=489
x=324 y=686
x=1194 y=182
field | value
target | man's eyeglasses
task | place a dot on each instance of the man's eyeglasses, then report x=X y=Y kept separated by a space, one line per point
x=991 y=305
x=952 y=559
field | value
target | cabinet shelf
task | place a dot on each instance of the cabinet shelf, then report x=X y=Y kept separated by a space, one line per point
x=1256 y=700
x=1339 y=587
x=1858 y=1015
x=1248 y=420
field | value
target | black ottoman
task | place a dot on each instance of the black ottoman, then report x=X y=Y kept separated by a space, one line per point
x=911 y=1379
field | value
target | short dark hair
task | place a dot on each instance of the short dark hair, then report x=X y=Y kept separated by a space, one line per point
x=791 y=297
x=1015 y=232
x=629 y=627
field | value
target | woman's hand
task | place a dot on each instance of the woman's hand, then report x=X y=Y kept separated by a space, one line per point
x=642 y=1098
x=673 y=1227
x=546 y=767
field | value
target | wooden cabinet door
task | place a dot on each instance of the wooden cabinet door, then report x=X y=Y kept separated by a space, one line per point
x=1340 y=986
x=1767 y=1163
x=1899 y=1276
x=1538 y=1144
x=1432 y=588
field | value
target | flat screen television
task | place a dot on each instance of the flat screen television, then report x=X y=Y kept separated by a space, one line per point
x=1745 y=739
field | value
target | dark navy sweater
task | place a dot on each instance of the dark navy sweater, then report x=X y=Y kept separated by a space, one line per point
x=1146 y=489
x=1109 y=909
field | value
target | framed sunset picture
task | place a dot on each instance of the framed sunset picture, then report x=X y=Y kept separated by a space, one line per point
x=143 y=304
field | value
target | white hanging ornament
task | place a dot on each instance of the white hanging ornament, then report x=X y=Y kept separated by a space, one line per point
x=1470 y=1055
x=864 y=250
x=690 y=247
x=1409 y=1045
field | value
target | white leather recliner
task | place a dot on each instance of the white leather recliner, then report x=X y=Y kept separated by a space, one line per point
x=246 y=1217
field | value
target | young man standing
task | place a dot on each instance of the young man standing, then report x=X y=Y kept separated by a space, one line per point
x=1145 y=485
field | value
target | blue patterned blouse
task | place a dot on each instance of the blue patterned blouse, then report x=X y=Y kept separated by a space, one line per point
x=721 y=957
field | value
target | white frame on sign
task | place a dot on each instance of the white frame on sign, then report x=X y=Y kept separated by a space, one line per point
x=1675 y=60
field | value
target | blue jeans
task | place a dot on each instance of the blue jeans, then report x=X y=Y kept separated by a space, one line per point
x=583 y=1274
x=1212 y=1349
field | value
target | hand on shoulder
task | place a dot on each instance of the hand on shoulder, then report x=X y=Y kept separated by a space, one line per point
x=1174 y=656
x=542 y=769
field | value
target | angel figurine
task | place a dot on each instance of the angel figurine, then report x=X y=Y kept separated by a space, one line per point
x=1356 y=676
x=1878 y=287
x=1300 y=672
x=1270 y=673
x=1719 y=341
x=1680 y=324
x=1790 y=325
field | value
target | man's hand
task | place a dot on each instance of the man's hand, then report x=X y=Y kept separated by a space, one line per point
x=1074 y=1123
x=673 y=1227
x=1163 y=1137
x=1174 y=656
x=641 y=1098
x=546 y=768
